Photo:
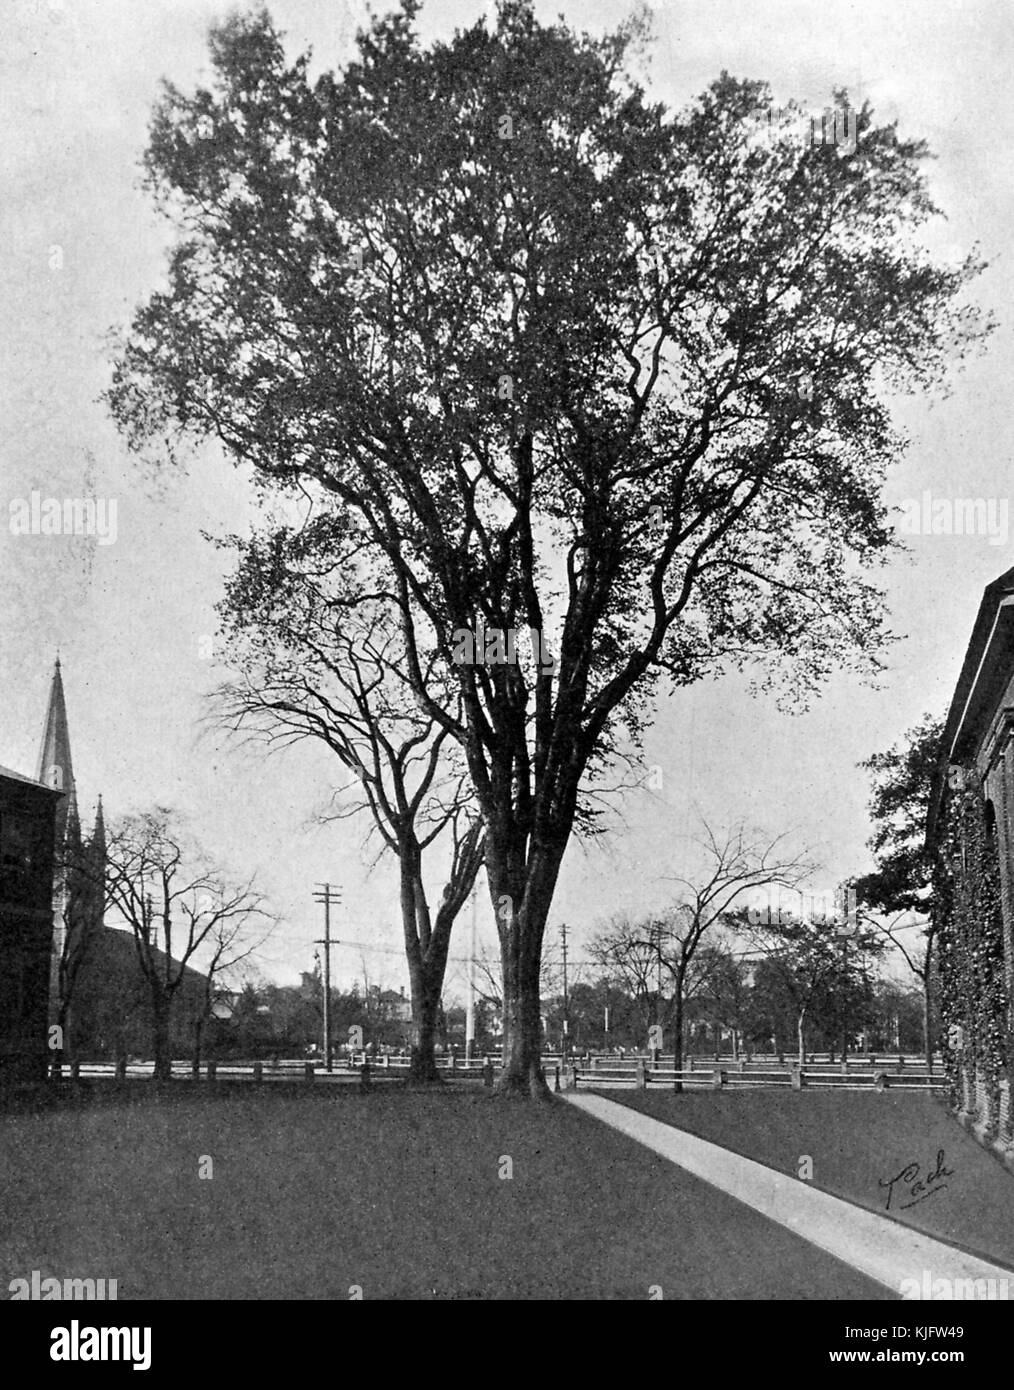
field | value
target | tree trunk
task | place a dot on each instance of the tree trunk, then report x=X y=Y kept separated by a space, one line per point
x=522 y=1044
x=160 y=1036
x=800 y=1038
x=426 y=946
x=677 y=1039
x=63 y=1022
x=521 y=932
x=425 y=1017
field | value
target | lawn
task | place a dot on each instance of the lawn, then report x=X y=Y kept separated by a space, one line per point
x=858 y=1142
x=398 y=1193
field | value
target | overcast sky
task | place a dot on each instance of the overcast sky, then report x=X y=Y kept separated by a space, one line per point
x=80 y=246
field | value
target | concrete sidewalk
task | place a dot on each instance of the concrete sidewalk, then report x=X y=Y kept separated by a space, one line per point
x=904 y=1260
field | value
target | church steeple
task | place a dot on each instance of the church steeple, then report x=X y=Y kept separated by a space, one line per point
x=56 y=768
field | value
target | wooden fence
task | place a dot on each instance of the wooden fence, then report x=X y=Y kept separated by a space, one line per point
x=600 y=1072
x=645 y=1074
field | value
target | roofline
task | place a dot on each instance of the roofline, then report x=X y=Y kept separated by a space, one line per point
x=996 y=605
x=13 y=776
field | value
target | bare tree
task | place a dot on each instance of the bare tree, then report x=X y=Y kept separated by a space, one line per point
x=803 y=958
x=228 y=945
x=322 y=659
x=628 y=951
x=177 y=906
x=737 y=861
x=920 y=960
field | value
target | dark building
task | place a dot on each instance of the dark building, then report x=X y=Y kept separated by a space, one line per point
x=971 y=835
x=28 y=813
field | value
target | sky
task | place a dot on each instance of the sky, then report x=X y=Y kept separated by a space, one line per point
x=131 y=613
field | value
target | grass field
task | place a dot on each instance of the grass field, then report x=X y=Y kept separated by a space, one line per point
x=398 y=1193
x=858 y=1142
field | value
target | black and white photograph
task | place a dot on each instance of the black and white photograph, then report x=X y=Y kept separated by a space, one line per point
x=507 y=680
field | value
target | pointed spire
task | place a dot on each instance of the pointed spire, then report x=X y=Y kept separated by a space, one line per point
x=55 y=766
x=97 y=857
x=73 y=825
x=99 y=833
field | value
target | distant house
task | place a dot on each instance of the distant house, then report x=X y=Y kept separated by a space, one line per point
x=28 y=812
x=394 y=1006
x=971 y=834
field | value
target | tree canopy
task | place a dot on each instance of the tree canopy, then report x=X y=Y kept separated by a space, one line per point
x=558 y=360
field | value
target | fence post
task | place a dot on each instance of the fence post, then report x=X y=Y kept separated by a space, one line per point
x=212 y=1071
x=258 y=1071
x=881 y=1081
x=365 y=1084
x=573 y=1077
x=387 y=1061
x=642 y=1074
x=556 y=1078
x=121 y=1068
x=901 y=1064
x=75 y=1071
x=309 y=1071
x=452 y=1060
x=797 y=1077
x=720 y=1079
x=487 y=1073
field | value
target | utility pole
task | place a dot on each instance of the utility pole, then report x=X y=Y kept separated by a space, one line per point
x=566 y=1005
x=846 y=902
x=327 y=895
x=470 y=1013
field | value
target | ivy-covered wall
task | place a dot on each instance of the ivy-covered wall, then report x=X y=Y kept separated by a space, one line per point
x=969 y=916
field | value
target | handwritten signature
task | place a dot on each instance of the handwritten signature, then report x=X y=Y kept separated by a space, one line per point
x=909 y=1183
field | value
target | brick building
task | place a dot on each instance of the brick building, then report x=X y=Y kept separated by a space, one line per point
x=28 y=813
x=971 y=834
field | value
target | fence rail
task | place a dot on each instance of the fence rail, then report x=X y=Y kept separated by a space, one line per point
x=645 y=1076
x=897 y=1072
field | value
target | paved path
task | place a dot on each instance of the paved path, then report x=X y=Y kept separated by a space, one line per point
x=904 y=1260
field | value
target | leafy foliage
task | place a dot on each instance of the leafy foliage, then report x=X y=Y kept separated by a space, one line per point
x=537 y=342
x=973 y=996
